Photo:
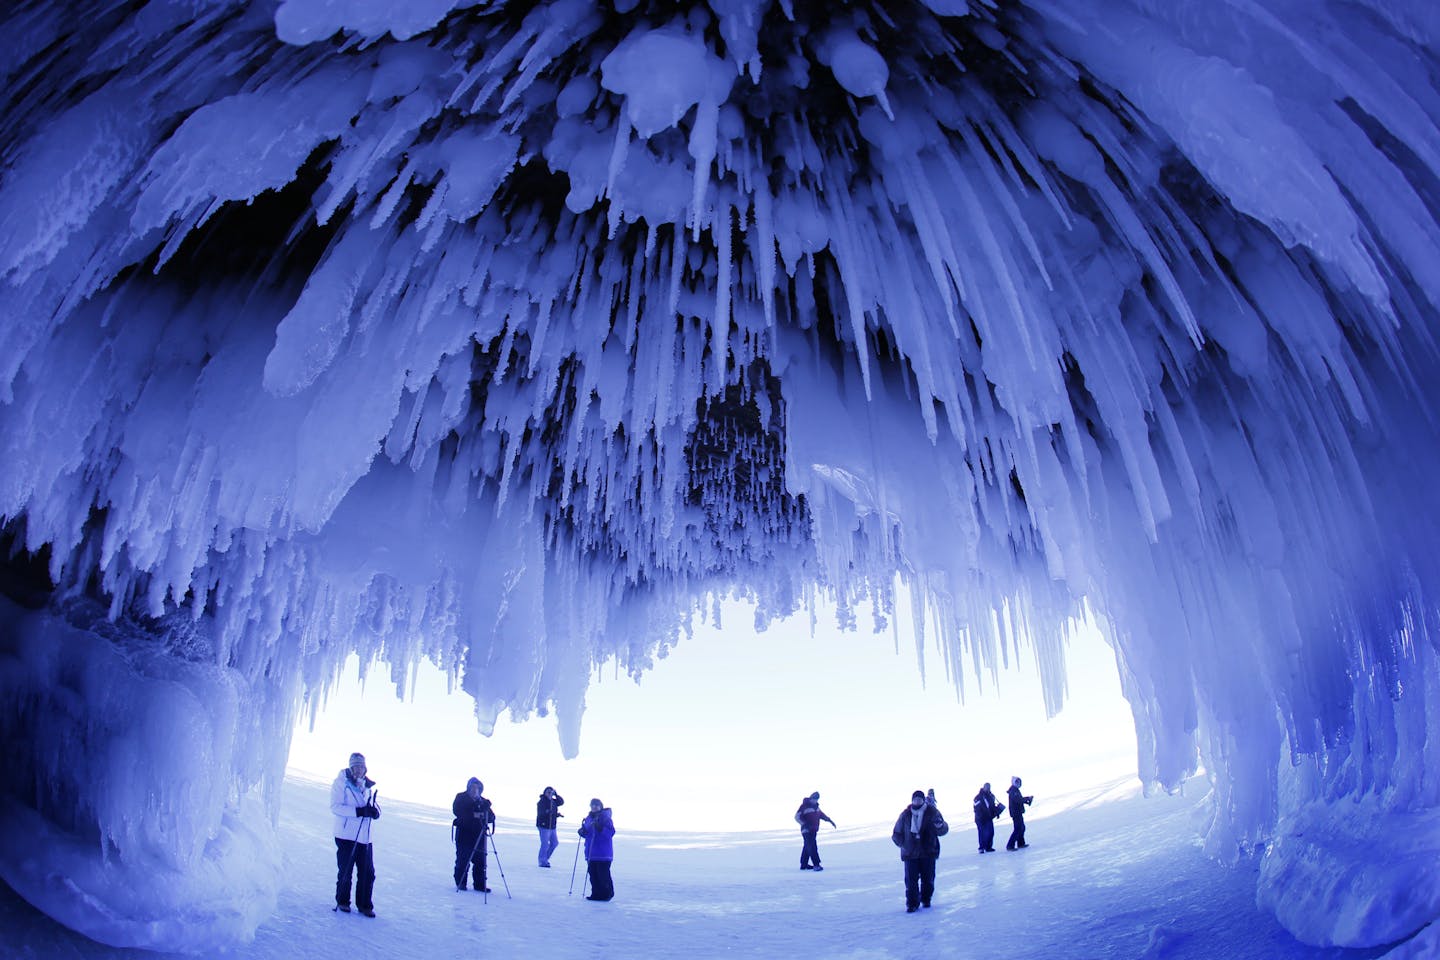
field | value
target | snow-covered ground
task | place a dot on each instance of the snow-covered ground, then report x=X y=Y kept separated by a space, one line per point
x=1109 y=874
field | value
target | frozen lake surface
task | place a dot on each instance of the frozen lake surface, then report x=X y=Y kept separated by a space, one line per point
x=1109 y=874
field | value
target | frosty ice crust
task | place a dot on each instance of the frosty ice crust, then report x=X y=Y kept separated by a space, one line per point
x=1104 y=306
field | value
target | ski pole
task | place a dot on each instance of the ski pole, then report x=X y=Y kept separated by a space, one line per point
x=496 y=848
x=585 y=884
x=573 y=868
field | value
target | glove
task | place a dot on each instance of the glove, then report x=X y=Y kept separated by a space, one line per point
x=369 y=810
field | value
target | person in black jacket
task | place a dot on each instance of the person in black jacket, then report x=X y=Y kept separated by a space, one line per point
x=987 y=808
x=1017 y=815
x=474 y=821
x=917 y=833
x=546 y=814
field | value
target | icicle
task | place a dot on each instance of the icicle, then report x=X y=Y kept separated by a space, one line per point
x=702 y=151
x=296 y=330
x=720 y=228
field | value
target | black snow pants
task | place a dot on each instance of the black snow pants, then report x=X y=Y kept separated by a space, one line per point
x=601 y=886
x=809 y=850
x=1017 y=836
x=919 y=882
x=359 y=859
x=470 y=849
x=987 y=834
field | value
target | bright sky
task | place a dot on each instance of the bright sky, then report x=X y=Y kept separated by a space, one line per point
x=734 y=727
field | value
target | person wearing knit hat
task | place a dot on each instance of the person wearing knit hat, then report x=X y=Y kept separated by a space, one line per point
x=474 y=821
x=917 y=833
x=598 y=829
x=1018 y=802
x=354 y=801
x=809 y=816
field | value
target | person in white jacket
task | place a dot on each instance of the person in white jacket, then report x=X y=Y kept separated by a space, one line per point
x=353 y=800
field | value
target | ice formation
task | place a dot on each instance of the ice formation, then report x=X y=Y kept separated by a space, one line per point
x=512 y=335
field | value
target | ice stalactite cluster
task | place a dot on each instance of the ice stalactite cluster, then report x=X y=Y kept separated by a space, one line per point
x=511 y=334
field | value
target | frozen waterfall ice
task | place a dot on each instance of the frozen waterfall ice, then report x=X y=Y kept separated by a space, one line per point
x=511 y=335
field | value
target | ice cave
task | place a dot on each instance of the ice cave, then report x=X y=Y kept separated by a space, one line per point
x=515 y=335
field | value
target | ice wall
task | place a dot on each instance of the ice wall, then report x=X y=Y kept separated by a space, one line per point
x=510 y=335
x=142 y=776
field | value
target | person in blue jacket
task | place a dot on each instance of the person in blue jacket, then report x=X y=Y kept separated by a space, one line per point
x=598 y=829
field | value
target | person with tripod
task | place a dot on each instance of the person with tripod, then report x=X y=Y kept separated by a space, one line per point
x=598 y=829
x=546 y=816
x=355 y=804
x=474 y=821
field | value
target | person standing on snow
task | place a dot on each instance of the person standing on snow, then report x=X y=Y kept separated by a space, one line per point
x=474 y=821
x=809 y=816
x=917 y=833
x=546 y=814
x=355 y=804
x=1017 y=815
x=598 y=829
x=987 y=808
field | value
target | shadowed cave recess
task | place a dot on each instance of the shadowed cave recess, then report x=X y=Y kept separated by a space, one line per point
x=516 y=336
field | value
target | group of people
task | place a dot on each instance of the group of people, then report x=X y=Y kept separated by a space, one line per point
x=917 y=833
x=475 y=820
x=988 y=810
x=354 y=801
